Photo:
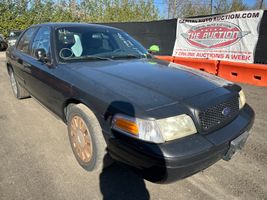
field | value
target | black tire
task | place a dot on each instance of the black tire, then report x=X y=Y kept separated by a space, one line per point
x=18 y=91
x=2 y=47
x=95 y=135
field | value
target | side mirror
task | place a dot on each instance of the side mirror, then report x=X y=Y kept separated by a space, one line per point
x=153 y=49
x=40 y=54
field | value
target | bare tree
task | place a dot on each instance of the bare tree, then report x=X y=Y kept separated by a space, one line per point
x=221 y=6
x=238 y=5
x=37 y=2
x=174 y=7
x=182 y=8
x=259 y=4
x=73 y=6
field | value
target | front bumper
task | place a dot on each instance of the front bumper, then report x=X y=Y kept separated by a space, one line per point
x=180 y=158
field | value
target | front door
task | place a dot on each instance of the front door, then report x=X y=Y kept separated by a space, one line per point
x=43 y=81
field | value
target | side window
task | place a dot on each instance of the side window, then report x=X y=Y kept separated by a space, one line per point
x=24 y=42
x=41 y=41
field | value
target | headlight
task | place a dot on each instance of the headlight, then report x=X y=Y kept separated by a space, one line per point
x=157 y=131
x=176 y=127
x=242 y=99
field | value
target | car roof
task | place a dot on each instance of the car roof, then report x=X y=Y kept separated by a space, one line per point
x=73 y=24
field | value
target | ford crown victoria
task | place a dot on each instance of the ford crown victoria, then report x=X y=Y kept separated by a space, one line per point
x=164 y=120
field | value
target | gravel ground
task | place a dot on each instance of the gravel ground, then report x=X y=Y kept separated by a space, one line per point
x=37 y=161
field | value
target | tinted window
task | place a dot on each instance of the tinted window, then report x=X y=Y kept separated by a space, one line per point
x=41 y=41
x=24 y=42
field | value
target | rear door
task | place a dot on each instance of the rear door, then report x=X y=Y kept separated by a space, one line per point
x=21 y=54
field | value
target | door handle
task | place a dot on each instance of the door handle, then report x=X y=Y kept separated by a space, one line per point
x=26 y=65
x=19 y=61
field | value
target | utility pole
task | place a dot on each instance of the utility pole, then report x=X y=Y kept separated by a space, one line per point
x=168 y=9
x=260 y=4
x=211 y=3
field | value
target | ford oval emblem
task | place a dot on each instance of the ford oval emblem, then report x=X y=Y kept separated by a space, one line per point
x=226 y=111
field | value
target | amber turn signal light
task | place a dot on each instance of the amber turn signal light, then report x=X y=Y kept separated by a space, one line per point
x=126 y=126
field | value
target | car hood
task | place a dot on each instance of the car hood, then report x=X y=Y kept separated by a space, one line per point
x=149 y=83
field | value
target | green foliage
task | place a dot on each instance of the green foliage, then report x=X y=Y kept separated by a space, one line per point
x=20 y=14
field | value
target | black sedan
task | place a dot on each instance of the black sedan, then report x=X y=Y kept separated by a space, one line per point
x=3 y=44
x=164 y=120
x=13 y=36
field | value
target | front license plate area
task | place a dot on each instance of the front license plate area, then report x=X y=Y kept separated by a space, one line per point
x=235 y=145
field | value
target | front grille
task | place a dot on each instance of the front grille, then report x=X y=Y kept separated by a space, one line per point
x=213 y=117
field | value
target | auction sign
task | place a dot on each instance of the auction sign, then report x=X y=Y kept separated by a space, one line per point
x=232 y=36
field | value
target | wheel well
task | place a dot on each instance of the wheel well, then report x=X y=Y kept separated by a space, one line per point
x=68 y=103
x=73 y=101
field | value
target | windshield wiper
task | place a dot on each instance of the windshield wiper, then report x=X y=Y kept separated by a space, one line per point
x=147 y=55
x=89 y=57
x=128 y=56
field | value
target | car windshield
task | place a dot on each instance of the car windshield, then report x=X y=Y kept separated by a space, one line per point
x=96 y=43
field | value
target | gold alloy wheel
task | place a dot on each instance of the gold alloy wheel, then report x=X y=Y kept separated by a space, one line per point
x=81 y=139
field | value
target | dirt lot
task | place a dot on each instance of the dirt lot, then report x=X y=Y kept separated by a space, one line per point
x=36 y=161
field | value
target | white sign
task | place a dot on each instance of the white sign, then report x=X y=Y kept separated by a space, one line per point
x=232 y=36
